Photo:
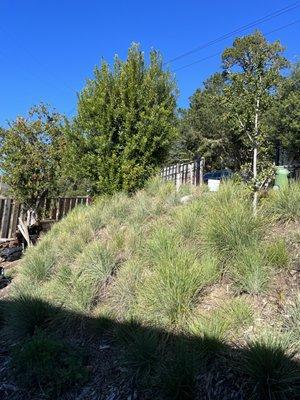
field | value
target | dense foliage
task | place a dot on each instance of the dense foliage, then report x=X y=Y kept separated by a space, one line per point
x=220 y=121
x=126 y=126
x=125 y=123
x=284 y=119
x=31 y=154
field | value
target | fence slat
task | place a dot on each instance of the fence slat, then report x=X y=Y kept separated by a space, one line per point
x=182 y=172
x=47 y=208
x=14 y=219
x=52 y=208
x=2 y=202
x=6 y=218
x=53 y=213
x=60 y=209
x=73 y=203
x=66 y=206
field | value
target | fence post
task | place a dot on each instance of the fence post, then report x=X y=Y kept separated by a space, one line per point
x=197 y=170
x=6 y=218
x=191 y=169
x=202 y=163
x=178 y=183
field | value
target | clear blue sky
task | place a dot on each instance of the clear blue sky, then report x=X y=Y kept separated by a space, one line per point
x=49 y=48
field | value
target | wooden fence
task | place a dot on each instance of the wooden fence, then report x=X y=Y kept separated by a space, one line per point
x=52 y=209
x=183 y=173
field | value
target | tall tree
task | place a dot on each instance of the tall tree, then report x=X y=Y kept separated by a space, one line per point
x=252 y=66
x=284 y=119
x=125 y=123
x=31 y=151
x=204 y=128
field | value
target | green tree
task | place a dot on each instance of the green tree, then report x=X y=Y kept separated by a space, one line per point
x=31 y=151
x=252 y=66
x=125 y=123
x=284 y=120
x=204 y=129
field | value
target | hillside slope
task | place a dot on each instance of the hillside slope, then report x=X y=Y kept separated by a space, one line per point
x=167 y=300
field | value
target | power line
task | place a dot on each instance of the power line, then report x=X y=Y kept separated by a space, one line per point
x=266 y=18
x=198 y=61
x=219 y=53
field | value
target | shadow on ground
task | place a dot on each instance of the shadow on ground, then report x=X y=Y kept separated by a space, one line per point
x=129 y=361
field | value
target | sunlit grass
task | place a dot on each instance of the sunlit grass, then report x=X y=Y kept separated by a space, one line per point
x=284 y=204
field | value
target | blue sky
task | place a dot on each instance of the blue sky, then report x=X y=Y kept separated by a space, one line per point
x=49 y=48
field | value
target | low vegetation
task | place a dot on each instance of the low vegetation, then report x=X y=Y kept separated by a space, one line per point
x=284 y=203
x=47 y=363
x=181 y=292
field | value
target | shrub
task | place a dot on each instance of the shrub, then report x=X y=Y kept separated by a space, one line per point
x=284 y=204
x=47 y=366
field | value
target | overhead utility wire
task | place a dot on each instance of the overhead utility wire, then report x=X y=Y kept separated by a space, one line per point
x=240 y=29
x=219 y=53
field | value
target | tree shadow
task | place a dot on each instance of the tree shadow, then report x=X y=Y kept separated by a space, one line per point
x=140 y=362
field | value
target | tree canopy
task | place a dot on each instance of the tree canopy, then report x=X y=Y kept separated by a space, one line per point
x=31 y=153
x=220 y=122
x=125 y=123
x=284 y=119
